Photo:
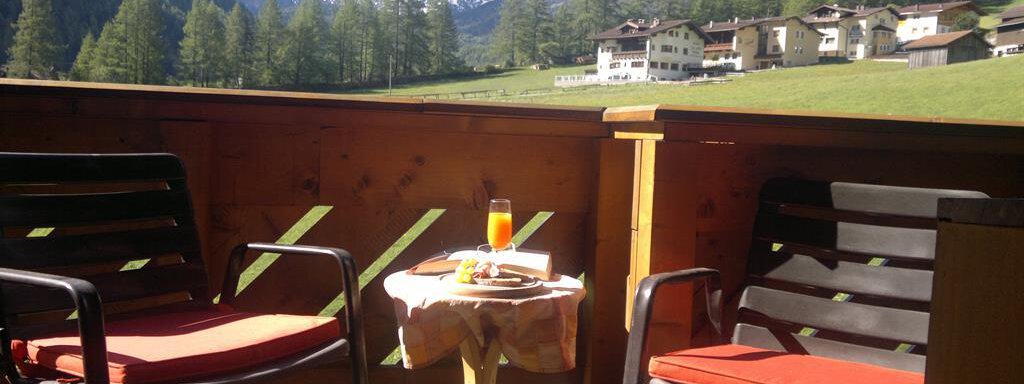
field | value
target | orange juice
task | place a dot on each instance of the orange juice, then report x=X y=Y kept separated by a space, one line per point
x=499 y=230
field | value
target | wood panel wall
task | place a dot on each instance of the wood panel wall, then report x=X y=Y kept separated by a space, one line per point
x=635 y=190
x=258 y=162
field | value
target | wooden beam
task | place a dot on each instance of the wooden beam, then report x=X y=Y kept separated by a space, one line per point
x=608 y=263
x=974 y=333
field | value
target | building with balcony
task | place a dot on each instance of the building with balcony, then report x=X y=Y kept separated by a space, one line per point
x=922 y=20
x=1010 y=32
x=638 y=50
x=762 y=43
x=858 y=33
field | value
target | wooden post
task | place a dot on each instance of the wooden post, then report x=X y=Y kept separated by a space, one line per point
x=605 y=272
x=975 y=331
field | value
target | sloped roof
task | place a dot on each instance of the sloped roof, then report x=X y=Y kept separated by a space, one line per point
x=1012 y=13
x=1017 y=21
x=731 y=26
x=940 y=7
x=847 y=12
x=941 y=40
x=881 y=27
x=633 y=28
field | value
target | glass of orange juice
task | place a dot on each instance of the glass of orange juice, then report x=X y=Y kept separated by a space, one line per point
x=499 y=225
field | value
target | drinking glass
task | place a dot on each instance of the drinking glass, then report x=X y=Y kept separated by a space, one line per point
x=499 y=225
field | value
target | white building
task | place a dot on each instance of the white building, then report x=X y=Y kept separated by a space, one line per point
x=657 y=50
x=1010 y=32
x=855 y=33
x=922 y=20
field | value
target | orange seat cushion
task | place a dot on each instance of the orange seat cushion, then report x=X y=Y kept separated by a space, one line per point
x=175 y=346
x=740 y=364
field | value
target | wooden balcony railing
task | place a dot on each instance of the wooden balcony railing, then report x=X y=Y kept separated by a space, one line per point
x=616 y=194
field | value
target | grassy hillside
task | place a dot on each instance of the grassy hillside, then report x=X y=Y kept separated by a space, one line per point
x=987 y=89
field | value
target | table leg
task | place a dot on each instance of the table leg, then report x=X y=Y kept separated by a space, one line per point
x=479 y=365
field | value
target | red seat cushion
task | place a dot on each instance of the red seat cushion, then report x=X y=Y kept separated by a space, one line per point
x=739 y=364
x=175 y=346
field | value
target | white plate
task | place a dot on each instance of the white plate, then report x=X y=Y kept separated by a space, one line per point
x=477 y=290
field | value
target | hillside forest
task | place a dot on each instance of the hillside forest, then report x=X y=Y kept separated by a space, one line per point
x=323 y=44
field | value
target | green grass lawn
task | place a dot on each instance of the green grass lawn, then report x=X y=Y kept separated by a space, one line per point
x=514 y=80
x=993 y=11
x=988 y=89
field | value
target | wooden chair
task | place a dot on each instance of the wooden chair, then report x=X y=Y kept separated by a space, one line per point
x=839 y=279
x=106 y=210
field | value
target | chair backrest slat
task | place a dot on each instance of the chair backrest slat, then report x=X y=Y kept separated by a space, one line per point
x=45 y=252
x=113 y=287
x=83 y=209
x=761 y=337
x=100 y=212
x=16 y=168
x=856 y=278
x=871 y=321
x=849 y=263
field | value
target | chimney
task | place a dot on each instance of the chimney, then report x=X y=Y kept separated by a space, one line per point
x=735 y=20
x=655 y=22
x=711 y=24
x=917 y=7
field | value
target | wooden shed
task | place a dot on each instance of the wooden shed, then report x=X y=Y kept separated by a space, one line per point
x=947 y=48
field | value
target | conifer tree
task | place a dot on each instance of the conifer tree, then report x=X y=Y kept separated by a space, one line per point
x=36 y=44
x=667 y=9
x=130 y=49
x=344 y=41
x=238 y=35
x=83 y=67
x=268 y=38
x=444 y=38
x=635 y=9
x=564 y=43
x=303 y=52
x=535 y=28
x=415 y=45
x=799 y=7
x=506 y=38
x=202 y=49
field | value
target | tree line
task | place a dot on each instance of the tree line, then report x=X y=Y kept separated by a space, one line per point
x=358 y=41
x=220 y=43
x=531 y=31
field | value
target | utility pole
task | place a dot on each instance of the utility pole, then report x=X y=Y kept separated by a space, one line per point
x=391 y=61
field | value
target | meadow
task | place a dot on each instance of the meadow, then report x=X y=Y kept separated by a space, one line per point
x=987 y=89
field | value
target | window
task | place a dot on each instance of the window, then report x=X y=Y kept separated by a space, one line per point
x=610 y=49
x=664 y=65
x=926 y=29
x=830 y=40
x=854 y=41
x=675 y=49
x=666 y=48
x=613 y=65
x=775 y=33
x=654 y=64
x=775 y=49
x=675 y=66
x=637 y=64
x=914 y=30
x=686 y=36
x=686 y=51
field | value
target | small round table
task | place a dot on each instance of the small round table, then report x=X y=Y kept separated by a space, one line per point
x=536 y=332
